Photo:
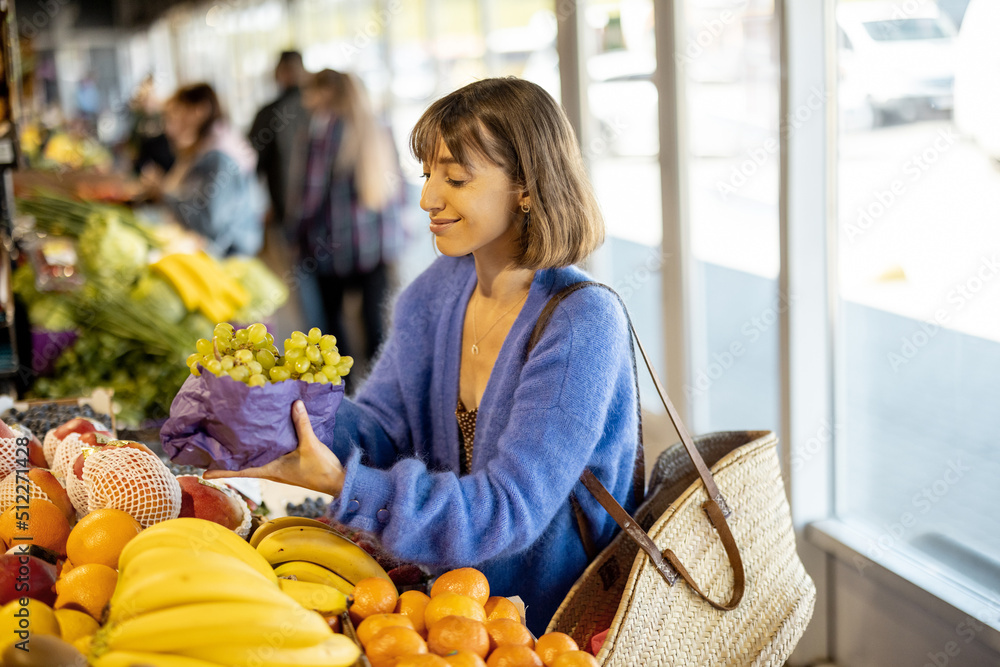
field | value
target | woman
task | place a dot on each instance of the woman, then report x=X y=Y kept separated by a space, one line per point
x=348 y=214
x=511 y=210
x=212 y=186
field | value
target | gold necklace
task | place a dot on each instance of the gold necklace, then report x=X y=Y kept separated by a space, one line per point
x=475 y=344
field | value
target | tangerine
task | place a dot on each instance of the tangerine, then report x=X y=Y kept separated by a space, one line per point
x=373 y=595
x=501 y=607
x=575 y=659
x=422 y=660
x=100 y=537
x=42 y=522
x=393 y=643
x=464 y=659
x=504 y=632
x=86 y=588
x=553 y=644
x=514 y=656
x=376 y=623
x=458 y=633
x=452 y=604
x=413 y=604
x=466 y=581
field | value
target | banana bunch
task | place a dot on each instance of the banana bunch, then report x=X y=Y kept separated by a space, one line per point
x=203 y=284
x=191 y=593
x=311 y=552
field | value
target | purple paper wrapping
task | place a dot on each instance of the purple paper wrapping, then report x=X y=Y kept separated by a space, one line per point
x=46 y=346
x=221 y=424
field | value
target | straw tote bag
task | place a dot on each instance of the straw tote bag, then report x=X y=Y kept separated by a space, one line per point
x=706 y=572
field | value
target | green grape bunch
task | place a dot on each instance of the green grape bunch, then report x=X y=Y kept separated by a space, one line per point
x=250 y=356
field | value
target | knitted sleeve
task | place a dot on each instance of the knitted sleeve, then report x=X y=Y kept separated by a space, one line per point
x=559 y=414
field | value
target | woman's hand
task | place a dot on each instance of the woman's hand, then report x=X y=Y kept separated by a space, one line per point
x=312 y=465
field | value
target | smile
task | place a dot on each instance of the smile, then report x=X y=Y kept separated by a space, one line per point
x=439 y=225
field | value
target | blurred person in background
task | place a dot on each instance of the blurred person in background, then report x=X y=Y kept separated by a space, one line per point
x=348 y=222
x=274 y=130
x=212 y=186
x=147 y=142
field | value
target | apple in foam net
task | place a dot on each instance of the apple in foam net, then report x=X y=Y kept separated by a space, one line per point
x=99 y=439
x=77 y=425
x=36 y=453
x=26 y=576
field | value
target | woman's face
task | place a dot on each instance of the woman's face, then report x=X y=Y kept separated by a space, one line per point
x=181 y=123
x=471 y=207
x=317 y=99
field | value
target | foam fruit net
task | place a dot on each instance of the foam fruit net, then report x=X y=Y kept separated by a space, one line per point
x=66 y=452
x=50 y=445
x=8 y=488
x=8 y=456
x=133 y=481
x=76 y=489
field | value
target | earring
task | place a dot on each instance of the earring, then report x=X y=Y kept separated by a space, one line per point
x=525 y=208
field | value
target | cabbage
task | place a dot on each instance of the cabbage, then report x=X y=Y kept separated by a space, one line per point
x=111 y=250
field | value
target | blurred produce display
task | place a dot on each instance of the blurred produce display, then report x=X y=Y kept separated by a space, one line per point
x=105 y=313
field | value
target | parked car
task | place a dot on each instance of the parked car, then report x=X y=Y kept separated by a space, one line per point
x=897 y=61
x=977 y=76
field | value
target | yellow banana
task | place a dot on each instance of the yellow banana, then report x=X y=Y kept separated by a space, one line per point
x=318 y=597
x=131 y=658
x=337 y=651
x=198 y=535
x=322 y=547
x=177 y=275
x=229 y=287
x=176 y=629
x=304 y=570
x=195 y=579
x=273 y=525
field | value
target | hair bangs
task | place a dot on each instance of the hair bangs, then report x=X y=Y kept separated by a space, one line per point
x=452 y=121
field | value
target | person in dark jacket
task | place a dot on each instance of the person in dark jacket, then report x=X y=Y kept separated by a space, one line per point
x=274 y=130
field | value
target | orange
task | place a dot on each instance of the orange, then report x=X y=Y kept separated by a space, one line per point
x=458 y=633
x=392 y=643
x=373 y=596
x=412 y=604
x=514 y=656
x=86 y=588
x=452 y=604
x=465 y=581
x=100 y=537
x=464 y=659
x=42 y=521
x=504 y=631
x=575 y=659
x=501 y=607
x=553 y=644
x=421 y=660
x=376 y=623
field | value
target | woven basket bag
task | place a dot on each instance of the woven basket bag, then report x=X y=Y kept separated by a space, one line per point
x=706 y=571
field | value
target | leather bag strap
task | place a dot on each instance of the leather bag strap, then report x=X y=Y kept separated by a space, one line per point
x=666 y=563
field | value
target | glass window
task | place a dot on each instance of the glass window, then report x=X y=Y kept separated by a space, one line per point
x=621 y=146
x=729 y=61
x=919 y=288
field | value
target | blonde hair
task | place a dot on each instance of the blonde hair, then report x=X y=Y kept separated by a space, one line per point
x=517 y=126
x=366 y=149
